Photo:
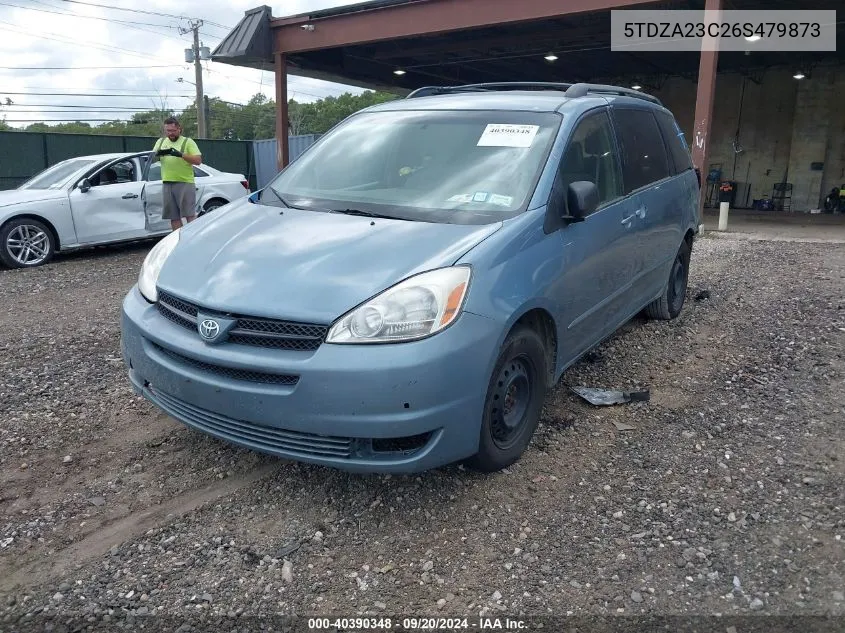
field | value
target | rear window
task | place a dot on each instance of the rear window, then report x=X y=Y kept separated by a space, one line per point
x=678 y=150
x=644 y=156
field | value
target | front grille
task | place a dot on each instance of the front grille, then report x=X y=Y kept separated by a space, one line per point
x=256 y=436
x=231 y=372
x=270 y=333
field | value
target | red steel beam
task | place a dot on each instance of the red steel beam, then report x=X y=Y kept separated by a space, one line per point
x=282 y=149
x=424 y=17
x=705 y=95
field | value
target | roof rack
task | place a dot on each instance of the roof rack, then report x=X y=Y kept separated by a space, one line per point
x=583 y=89
x=508 y=85
x=571 y=91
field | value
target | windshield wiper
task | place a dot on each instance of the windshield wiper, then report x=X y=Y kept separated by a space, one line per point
x=366 y=214
x=285 y=202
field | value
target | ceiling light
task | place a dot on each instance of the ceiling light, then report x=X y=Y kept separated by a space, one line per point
x=637 y=87
x=399 y=72
x=753 y=38
x=551 y=57
x=799 y=75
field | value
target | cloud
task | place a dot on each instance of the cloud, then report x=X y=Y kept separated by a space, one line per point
x=149 y=48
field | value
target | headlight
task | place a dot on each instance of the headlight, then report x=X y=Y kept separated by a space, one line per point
x=151 y=267
x=413 y=309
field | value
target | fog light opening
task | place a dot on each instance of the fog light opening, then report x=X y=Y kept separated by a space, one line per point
x=404 y=445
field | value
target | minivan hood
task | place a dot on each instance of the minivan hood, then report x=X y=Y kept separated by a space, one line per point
x=19 y=196
x=306 y=266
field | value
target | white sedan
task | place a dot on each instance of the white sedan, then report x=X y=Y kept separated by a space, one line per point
x=94 y=200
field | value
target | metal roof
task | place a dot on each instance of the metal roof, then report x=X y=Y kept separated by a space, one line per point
x=358 y=48
x=250 y=42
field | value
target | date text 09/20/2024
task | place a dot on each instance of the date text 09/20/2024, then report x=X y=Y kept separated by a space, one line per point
x=353 y=625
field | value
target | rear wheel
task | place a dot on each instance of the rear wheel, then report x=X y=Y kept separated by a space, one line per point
x=514 y=401
x=211 y=205
x=670 y=303
x=26 y=243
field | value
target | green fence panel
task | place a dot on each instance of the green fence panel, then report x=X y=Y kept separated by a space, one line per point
x=24 y=154
x=21 y=157
x=139 y=143
x=63 y=146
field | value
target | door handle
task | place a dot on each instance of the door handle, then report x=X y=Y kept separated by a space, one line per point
x=629 y=219
x=640 y=213
x=129 y=196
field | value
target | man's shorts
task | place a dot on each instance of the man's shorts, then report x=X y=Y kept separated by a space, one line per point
x=180 y=200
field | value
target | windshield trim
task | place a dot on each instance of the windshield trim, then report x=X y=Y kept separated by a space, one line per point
x=426 y=214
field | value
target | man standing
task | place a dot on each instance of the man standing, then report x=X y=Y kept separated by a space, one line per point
x=178 y=155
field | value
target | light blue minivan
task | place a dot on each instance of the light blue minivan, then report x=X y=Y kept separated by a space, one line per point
x=404 y=294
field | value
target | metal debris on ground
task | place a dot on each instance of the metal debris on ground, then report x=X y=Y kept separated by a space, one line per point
x=621 y=426
x=608 y=397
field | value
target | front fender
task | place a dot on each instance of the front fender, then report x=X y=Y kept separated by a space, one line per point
x=55 y=214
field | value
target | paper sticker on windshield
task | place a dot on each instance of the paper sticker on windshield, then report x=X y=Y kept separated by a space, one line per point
x=479 y=196
x=461 y=197
x=508 y=135
x=504 y=201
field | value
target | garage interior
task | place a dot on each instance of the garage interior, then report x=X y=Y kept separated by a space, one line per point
x=771 y=122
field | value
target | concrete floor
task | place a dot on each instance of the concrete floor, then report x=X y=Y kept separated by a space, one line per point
x=786 y=227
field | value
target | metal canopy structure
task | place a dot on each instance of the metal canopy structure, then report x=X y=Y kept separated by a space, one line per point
x=403 y=45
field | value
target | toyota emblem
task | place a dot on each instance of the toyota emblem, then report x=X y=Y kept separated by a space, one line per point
x=209 y=329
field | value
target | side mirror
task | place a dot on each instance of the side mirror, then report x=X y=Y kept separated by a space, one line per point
x=253 y=197
x=582 y=198
x=84 y=185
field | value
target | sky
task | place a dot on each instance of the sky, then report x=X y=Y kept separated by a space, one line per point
x=107 y=63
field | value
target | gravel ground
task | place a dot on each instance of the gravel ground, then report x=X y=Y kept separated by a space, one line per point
x=721 y=495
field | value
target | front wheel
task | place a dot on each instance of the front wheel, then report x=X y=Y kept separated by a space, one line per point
x=514 y=401
x=670 y=303
x=26 y=243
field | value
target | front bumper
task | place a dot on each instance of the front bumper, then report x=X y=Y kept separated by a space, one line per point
x=397 y=408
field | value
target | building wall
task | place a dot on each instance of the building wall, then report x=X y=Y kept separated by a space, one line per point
x=783 y=126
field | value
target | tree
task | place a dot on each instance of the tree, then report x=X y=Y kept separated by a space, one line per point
x=231 y=121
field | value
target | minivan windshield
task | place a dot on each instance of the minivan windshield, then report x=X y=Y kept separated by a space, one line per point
x=58 y=175
x=462 y=167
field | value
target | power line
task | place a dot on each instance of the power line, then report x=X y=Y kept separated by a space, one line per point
x=163 y=15
x=132 y=25
x=87 y=67
x=151 y=91
x=92 y=94
x=42 y=35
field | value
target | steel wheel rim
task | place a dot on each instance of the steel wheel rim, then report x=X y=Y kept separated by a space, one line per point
x=511 y=400
x=28 y=245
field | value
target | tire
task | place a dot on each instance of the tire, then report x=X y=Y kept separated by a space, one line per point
x=213 y=204
x=671 y=302
x=26 y=243
x=519 y=377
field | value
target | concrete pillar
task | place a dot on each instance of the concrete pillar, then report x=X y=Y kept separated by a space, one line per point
x=813 y=113
x=834 y=161
x=705 y=94
x=282 y=149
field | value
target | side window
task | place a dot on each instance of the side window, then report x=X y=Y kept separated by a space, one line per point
x=644 y=158
x=113 y=174
x=674 y=140
x=154 y=173
x=591 y=155
x=199 y=173
x=125 y=171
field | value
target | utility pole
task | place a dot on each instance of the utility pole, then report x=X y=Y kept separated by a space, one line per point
x=196 y=54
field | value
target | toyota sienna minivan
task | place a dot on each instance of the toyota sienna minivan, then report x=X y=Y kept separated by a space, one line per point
x=403 y=295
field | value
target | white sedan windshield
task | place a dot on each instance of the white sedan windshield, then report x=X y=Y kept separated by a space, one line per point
x=58 y=175
x=428 y=165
